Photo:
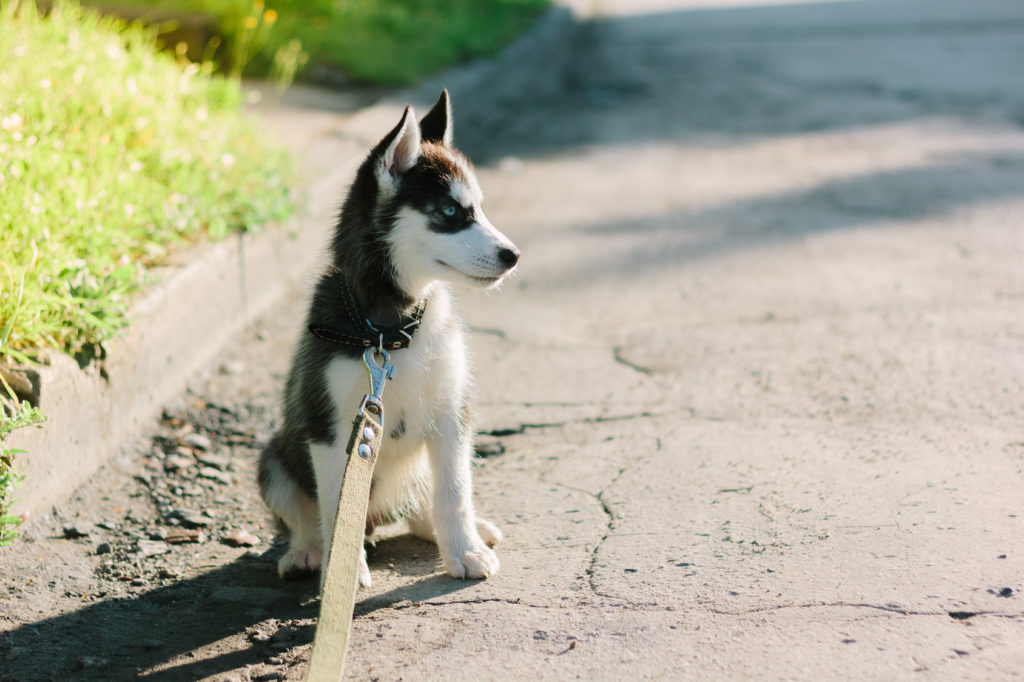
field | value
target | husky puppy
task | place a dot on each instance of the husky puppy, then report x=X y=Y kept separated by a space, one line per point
x=411 y=225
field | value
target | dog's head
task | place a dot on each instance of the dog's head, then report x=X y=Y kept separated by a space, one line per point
x=429 y=199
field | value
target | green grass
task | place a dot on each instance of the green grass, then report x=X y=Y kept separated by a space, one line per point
x=19 y=416
x=112 y=155
x=14 y=414
x=382 y=41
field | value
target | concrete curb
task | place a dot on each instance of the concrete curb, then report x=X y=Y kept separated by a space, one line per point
x=181 y=323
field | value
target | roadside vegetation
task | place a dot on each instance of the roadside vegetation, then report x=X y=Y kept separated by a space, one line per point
x=112 y=155
x=380 y=41
x=17 y=415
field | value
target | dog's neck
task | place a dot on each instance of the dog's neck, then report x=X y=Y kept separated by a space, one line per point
x=382 y=303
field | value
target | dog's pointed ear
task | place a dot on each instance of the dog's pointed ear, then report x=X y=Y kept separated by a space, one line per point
x=436 y=126
x=401 y=149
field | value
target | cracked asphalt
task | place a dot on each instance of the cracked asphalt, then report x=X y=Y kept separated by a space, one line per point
x=751 y=409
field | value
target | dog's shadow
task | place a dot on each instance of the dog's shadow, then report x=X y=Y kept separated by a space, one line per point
x=408 y=557
x=156 y=633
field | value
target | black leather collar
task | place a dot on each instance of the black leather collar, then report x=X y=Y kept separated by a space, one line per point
x=360 y=333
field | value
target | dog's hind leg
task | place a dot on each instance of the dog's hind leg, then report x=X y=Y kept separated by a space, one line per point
x=330 y=461
x=296 y=510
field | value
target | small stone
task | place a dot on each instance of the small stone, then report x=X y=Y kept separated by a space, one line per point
x=197 y=441
x=240 y=538
x=1005 y=592
x=138 y=582
x=177 y=463
x=79 y=529
x=216 y=461
x=189 y=518
x=540 y=634
x=215 y=475
x=267 y=677
x=148 y=548
x=180 y=536
x=107 y=525
x=151 y=644
x=191 y=490
x=103 y=548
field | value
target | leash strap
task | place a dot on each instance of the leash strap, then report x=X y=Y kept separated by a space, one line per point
x=337 y=601
x=341 y=580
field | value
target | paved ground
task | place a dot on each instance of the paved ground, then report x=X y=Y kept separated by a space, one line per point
x=758 y=390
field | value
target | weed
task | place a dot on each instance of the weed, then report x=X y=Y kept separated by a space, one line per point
x=14 y=415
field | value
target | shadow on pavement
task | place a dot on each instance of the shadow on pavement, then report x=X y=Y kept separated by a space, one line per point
x=122 y=639
x=664 y=240
x=117 y=638
x=753 y=71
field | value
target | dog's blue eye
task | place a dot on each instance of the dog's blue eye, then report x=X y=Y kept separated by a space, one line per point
x=449 y=211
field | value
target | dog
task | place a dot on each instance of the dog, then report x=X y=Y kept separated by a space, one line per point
x=410 y=227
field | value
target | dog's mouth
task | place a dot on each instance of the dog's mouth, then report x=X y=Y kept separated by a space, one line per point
x=475 y=278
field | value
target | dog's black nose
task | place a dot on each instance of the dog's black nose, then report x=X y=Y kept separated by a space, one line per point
x=508 y=257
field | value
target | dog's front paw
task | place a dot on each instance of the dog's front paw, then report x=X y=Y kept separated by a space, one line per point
x=479 y=561
x=299 y=564
x=489 y=533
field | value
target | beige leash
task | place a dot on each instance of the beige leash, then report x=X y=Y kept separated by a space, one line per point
x=341 y=578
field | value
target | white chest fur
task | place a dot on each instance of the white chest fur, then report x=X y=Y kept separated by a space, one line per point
x=429 y=384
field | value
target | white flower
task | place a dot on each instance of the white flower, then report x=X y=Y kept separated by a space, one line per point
x=10 y=122
x=227 y=160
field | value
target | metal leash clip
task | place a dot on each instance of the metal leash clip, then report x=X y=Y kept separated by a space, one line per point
x=379 y=374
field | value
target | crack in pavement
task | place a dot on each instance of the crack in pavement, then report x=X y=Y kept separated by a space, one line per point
x=528 y=426
x=887 y=608
x=609 y=531
x=490 y=331
x=617 y=355
x=408 y=604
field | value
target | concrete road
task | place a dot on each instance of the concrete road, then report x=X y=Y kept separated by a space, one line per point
x=753 y=406
x=759 y=382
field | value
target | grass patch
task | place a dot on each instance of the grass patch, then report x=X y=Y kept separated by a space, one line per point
x=382 y=41
x=111 y=156
x=14 y=415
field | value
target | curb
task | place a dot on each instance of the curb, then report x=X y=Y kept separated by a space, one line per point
x=183 y=321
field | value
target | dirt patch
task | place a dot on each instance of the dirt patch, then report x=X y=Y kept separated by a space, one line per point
x=162 y=566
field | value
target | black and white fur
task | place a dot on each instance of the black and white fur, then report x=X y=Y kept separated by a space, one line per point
x=411 y=225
